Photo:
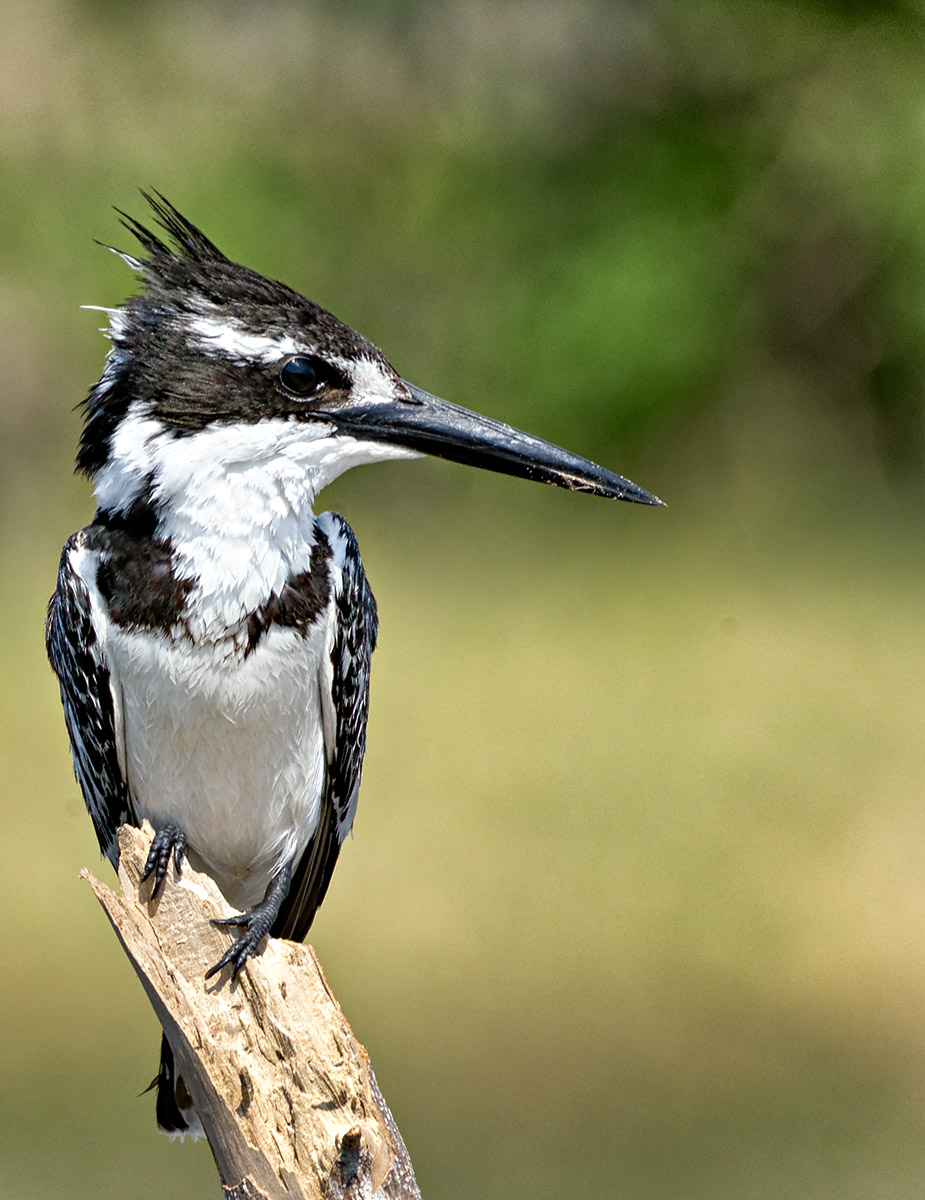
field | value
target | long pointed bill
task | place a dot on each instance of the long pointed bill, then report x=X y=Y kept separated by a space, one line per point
x=434 y=426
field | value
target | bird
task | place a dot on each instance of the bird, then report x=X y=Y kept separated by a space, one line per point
x=211 y=633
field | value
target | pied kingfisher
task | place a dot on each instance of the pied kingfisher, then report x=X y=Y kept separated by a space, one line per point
x=211 y=634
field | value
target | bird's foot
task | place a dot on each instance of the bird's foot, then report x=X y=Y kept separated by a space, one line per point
x=256 y=923
x=169 y=839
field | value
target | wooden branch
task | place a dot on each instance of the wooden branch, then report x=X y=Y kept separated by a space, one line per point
x=284 y=1091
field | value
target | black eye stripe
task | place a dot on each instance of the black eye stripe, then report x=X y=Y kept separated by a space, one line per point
x=301 y=376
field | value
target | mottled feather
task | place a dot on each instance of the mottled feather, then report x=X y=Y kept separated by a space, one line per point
x=354 y=641
x=77 y=657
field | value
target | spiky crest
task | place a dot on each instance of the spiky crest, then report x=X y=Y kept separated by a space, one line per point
x=187 y=238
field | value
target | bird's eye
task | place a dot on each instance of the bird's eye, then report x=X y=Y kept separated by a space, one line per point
x=300 y=376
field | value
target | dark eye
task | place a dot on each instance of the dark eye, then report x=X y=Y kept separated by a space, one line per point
x=300 y=376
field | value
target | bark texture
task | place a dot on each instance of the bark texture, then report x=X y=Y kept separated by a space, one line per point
x=284 y=1090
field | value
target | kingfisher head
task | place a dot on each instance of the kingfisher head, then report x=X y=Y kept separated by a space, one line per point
x=214 y=368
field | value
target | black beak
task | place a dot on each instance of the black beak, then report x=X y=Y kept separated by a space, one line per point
x=434 y=426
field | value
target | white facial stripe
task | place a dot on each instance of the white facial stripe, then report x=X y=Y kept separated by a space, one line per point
x=225 y=337
x=367 y=376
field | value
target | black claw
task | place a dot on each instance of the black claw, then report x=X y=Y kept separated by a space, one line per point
x=169 y=839
x=256 y=923
x=241 y=950
x=238 y=921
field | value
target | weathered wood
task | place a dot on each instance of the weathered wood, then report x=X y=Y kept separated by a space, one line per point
x=285 y=1092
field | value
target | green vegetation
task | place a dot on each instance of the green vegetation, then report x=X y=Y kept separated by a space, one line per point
x=635 y=903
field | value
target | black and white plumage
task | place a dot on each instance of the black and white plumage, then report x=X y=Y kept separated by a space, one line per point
x=211 y=634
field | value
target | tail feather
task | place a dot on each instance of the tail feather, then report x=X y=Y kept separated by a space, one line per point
x=176 y=1113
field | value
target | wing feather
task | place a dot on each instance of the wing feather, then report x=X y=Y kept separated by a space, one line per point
x=90 y=705
x=345 y=687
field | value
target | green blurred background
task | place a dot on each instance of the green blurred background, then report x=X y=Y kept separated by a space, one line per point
x=636 y=902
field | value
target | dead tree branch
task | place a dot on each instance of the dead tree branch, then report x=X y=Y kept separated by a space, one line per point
x=285 y=1092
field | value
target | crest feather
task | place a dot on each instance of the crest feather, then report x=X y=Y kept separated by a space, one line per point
x=187 y=238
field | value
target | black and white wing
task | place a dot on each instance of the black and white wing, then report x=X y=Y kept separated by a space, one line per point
x=90 y=708
x=345 y=706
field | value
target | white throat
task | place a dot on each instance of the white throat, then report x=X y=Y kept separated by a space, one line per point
x=235 y=501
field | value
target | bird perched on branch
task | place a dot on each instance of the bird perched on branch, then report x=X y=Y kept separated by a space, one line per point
x=210 y=632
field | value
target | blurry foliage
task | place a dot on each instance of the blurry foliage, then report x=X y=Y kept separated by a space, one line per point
x=609 y=221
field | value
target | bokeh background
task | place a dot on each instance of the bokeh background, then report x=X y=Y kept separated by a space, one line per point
x=636 y=902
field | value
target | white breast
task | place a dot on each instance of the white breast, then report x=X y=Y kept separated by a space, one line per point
x=229 y=748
